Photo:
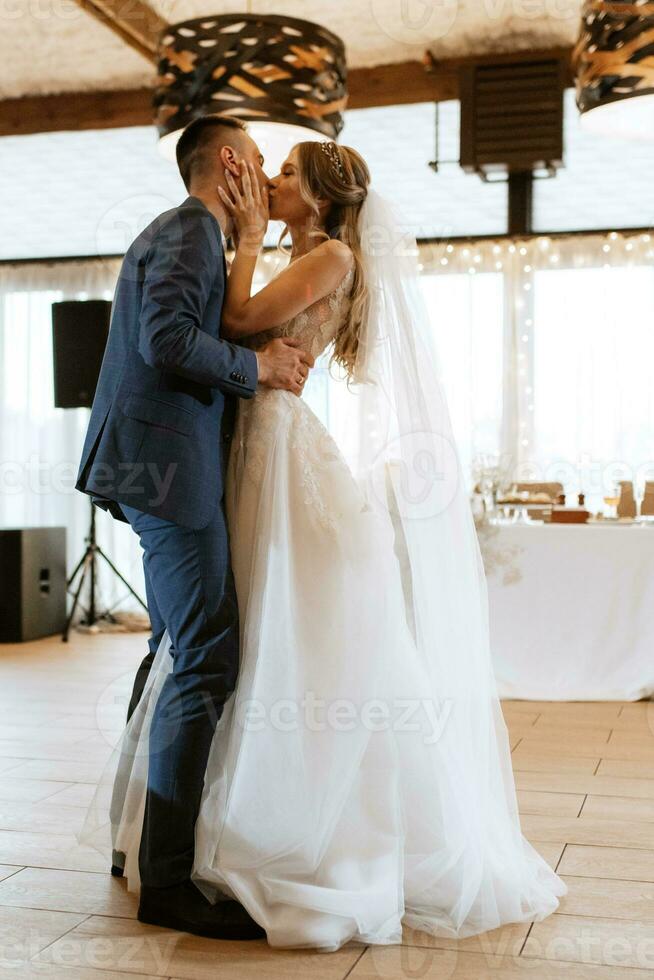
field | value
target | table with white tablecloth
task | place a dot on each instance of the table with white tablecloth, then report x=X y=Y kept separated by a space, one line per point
x=571 y=610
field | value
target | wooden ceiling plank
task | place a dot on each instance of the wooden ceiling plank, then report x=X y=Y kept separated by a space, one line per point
x=384 y=85
x=74 y=111
x=134 y=22
x=401 y=84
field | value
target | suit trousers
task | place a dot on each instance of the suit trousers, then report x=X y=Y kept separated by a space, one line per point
x=191 y=593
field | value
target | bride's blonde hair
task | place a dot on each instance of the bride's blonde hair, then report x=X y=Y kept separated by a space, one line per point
x=340 y=174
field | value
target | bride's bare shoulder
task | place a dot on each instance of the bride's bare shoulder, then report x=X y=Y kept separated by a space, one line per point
x=337 y=253
x=325 y=267
x=334 y=259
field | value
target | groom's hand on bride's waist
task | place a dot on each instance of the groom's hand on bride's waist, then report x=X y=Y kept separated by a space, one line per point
x=283 y=364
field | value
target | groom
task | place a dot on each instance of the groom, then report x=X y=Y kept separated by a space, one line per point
x=154 y=456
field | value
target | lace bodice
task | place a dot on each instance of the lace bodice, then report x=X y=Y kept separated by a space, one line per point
x=278 y=425
x=316 y=326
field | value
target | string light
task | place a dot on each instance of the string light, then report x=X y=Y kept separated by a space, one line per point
x=539 y=254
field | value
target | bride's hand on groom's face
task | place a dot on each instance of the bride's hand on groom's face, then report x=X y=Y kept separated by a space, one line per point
x=247 y=206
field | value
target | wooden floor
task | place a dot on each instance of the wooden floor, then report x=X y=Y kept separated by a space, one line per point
x=585 y=778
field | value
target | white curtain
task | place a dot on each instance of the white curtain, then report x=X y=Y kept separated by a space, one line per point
x=546 y=348
x=468 y=316
x=593 y=418
x=40 y=445
x=573 y=365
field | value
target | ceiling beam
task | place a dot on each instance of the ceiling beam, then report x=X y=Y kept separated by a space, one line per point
x=397 y=84
x=400 y=84
x=135 y=22
x=503 y=58
x=75 y=111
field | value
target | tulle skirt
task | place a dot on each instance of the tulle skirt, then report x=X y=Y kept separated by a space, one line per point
x=354 y=784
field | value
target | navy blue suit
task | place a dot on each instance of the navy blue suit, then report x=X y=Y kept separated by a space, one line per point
x=165 y=394
x=154 y=455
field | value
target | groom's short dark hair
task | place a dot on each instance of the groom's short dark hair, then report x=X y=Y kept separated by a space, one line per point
x=197 y=139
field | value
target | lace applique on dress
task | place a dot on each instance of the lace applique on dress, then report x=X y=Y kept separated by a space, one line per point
x=319 y=324
x=275 y=417
x=315 y=449
x=316 y=326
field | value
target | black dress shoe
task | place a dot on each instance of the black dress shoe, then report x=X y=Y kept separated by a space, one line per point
x=184 y=907
x=117 y=864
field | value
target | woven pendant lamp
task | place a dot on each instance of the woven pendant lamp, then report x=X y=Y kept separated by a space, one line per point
x=614 y=60
x=285 y=77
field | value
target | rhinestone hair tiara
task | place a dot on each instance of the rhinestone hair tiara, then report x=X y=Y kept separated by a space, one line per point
x=331 y=150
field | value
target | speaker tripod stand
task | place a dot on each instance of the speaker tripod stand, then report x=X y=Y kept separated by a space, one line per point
x=87 y=568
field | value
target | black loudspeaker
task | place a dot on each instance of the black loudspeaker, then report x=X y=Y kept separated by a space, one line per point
x=32 y=583
x=79 y=336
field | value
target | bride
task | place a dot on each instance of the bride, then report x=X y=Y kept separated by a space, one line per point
x=360 y=777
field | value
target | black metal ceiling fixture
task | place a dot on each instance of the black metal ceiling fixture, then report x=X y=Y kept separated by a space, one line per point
x=271 y=70
x=614 y=60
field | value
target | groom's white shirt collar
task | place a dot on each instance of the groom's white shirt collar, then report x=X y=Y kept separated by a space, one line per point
x=224 y=241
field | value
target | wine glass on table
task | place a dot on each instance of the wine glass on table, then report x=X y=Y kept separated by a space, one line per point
x=611 y=500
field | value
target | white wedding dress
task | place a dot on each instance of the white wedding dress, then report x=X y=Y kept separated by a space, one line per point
x=354 y=784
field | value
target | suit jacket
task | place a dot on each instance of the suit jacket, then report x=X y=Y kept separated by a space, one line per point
x=166 y=395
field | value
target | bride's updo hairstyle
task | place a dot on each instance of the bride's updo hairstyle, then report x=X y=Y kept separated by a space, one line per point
x=341 y=175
